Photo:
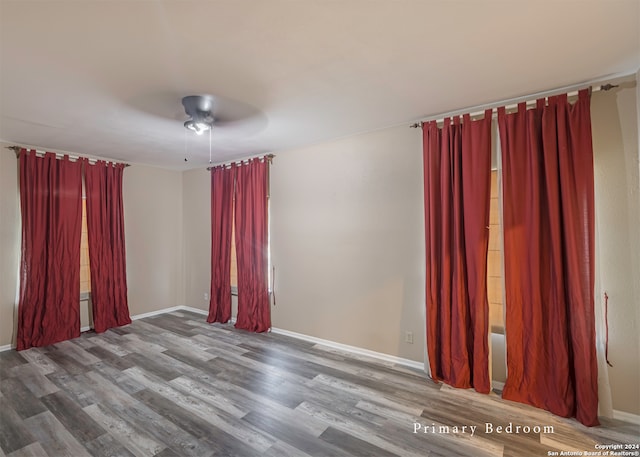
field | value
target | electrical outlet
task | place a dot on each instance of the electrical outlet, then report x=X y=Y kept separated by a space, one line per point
x=206 y=296
x=408 y=337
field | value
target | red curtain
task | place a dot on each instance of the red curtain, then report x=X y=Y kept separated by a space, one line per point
x=252 y=246
x=457 y=180
x=222 y=182
x=51 y=205
x=547 y=161
x=105 y=231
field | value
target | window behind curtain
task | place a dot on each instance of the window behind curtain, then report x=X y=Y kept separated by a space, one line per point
x=85 y=272
x=234 y=261
x=494 y=261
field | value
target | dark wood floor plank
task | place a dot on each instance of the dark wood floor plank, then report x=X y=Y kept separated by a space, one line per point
x=54 y=437
x=210 y=413
x=173 y=325
x=193 y=360
x=168 y=452
x=16 y=395
x=109 y=357
x=32 y=450
x=353 y=445
x=151 y=365
x=110 y=341
x=208 y=394
x=256 y=366
x=414 y=381
x=73 y=417
x=281 y=449
x=38 y=360
x=140 y=343
x=14 y=433
x=253 y=380
x=186 y=345
x=107 y=446
x=361 y=431
x=163 y=431
x=186 y=365
x=77 y=387
x=367 y=393
x=34 y=380
x=8 y=360
x=108 y=371
x=67 y=362
x=72 y=349
x=222 y=442
x=222 y=342
x=292 y=435
x=136 y=441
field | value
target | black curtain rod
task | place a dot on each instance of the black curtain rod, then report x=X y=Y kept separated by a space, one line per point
x=17 y=150
x=478 y=110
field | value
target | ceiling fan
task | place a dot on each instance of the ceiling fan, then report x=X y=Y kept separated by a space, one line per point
x=235 y=121
x=198 y=108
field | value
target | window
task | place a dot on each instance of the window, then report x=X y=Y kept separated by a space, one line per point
x=85 y=272
x=234 y=261
x=494 y=261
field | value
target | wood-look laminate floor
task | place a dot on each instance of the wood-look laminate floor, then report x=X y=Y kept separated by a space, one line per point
x=172 y=385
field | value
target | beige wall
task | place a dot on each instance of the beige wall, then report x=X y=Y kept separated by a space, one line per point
x=348 y=241
x=9 y=242
x=197 y=237
x=615 y=142
x=153 y=236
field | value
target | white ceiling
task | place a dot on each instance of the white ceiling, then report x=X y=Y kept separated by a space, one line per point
x=105 y=78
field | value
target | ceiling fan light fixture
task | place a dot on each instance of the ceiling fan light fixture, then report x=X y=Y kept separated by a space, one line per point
x=198 y=125
x=198 y=107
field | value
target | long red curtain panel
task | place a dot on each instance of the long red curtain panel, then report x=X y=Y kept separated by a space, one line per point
x=547 y=164
x=457 y=180
x=51 y=206
x=252 y=245
x=107 y=258
x=222 y=186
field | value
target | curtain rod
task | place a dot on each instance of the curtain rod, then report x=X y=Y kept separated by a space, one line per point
x=508 y=104
x=59 y=155
x=267 y=157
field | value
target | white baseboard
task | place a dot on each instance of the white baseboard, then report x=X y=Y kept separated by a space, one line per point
x=6 y=347
x=352 y=349
x=156 y=313
x=169 y=310
x=627 y=417
x=193 y=310
x=497 y=385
